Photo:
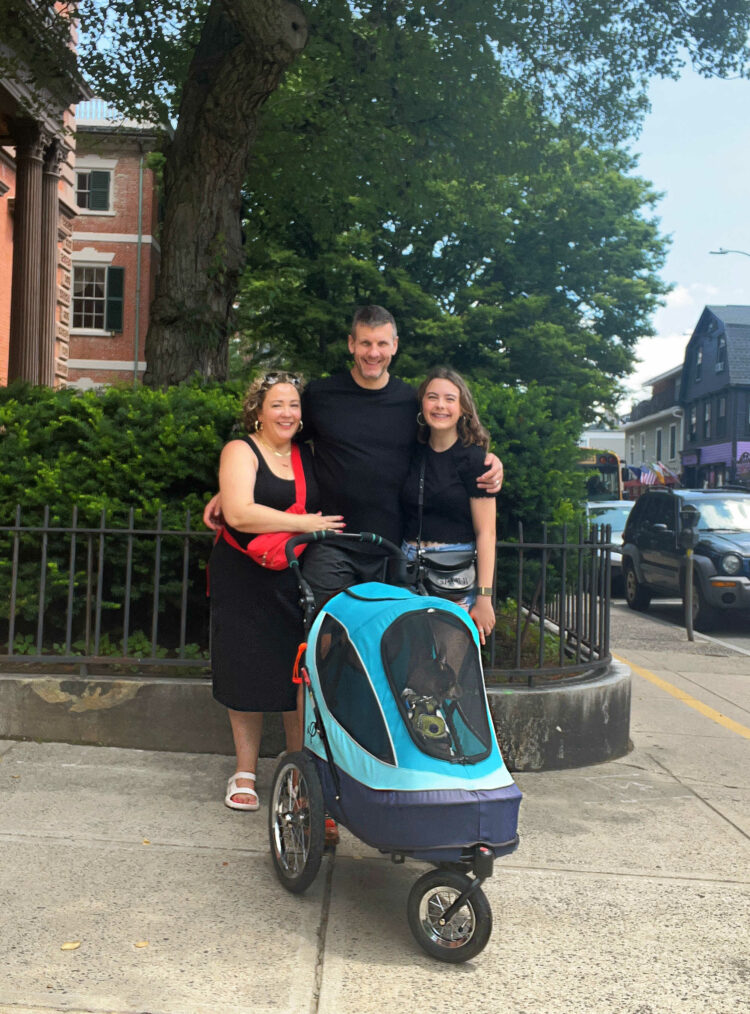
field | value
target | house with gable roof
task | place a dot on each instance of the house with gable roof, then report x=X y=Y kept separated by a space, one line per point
x=715 y=395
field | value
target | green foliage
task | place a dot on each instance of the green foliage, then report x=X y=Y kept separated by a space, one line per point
x=118 y=456
x=534 y=432
x=503 y=242
x=580 y=62
x=530 y=643
x=117 y=449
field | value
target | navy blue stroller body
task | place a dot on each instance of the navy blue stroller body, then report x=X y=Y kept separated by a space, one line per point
x=399 y=748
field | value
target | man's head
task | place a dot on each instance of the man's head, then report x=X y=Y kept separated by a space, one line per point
x=373 y=343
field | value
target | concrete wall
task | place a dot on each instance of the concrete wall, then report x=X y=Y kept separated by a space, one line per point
x=539 y=729
x=565 y=725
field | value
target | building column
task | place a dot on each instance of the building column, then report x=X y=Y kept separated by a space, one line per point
x=23 y=360
x=53 y=158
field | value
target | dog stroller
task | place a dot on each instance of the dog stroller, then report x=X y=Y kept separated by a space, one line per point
x=399 y=748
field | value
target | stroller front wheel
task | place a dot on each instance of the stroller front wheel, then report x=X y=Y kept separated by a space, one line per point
x=296 y=822
x=466 y=933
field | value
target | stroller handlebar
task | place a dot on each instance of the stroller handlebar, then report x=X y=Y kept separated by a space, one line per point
x=389 y=548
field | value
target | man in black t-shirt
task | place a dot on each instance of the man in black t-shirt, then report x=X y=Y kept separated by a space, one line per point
x=363 y=425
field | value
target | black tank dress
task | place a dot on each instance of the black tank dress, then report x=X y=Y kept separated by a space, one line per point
x=256 y=621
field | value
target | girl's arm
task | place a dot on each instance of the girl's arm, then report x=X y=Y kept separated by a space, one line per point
x=483 y=516
x=238 y=469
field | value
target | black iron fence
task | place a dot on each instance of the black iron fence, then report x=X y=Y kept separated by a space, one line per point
x=105 y=595
x=553 y=605
x=119 y=597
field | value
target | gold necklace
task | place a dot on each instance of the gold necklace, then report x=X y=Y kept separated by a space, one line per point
x=279 y=454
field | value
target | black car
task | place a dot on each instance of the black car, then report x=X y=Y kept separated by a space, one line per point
x=654 y=554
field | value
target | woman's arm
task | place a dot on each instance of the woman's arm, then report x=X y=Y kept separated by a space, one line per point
x=483 y=516
x=237 y=472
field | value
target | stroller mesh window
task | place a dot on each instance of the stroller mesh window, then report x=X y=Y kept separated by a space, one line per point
x=348 y=692
x=433 y=667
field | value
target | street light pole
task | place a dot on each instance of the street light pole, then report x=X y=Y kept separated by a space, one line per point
x=721 y=250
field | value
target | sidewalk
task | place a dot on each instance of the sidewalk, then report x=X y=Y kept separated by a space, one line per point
x=629 y=894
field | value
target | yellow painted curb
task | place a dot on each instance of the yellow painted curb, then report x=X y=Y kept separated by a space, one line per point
x=692 y=702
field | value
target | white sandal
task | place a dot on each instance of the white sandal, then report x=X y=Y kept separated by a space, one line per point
x=233 y=789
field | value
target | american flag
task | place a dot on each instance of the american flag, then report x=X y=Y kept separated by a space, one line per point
x=648 y=477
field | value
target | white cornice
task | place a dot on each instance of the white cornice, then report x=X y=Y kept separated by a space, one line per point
x=668 y=413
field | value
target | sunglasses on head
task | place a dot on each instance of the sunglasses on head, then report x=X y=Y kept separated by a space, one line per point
x=281 y=378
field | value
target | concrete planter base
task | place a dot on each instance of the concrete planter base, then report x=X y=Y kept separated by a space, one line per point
x=563 y=726
x=141 y=712
x=539 y=729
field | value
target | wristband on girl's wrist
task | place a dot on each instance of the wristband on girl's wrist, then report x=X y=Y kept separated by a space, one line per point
x=484 y=591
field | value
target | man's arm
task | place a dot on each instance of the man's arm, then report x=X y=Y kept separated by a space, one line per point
x=491 y=480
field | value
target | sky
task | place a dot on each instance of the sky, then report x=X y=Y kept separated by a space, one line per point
x=695 y=148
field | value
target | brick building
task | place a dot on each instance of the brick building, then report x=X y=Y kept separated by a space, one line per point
x=115 y=252
x=36 y=197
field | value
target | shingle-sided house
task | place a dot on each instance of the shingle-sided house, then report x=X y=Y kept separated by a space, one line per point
x=653 y=429
x=715 y=394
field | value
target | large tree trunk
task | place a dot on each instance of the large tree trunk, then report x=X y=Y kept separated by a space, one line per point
x=244 y=49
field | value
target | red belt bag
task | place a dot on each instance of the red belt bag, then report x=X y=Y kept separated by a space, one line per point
x=269 y=550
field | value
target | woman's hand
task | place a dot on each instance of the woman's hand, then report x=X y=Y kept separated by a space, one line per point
x=322 y=522
x=483 y=614
x=212 y=516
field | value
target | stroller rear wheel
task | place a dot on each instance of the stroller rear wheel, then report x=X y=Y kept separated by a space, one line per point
x=467 y=931
x=296 y=822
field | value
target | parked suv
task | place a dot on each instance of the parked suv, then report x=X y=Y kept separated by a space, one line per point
x=653 y=553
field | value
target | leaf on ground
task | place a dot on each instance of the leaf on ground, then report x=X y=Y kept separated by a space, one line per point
x=145 y=842
x=70 y=945
x=141 y=943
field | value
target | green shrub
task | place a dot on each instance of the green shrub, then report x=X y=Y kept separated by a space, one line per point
x=117 y=455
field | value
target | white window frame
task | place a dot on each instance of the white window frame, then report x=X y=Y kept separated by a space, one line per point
x=90 y=259
x=94 y=163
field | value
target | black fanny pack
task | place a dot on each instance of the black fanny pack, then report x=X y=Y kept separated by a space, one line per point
x=450 y=574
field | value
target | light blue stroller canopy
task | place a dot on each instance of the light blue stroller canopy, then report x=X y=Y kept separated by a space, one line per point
x=398 y=681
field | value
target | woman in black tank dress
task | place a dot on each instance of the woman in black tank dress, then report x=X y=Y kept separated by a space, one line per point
x=256 y=622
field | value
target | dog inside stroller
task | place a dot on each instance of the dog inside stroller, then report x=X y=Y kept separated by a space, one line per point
x=399 y=748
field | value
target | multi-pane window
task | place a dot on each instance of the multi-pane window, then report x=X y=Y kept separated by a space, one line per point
x=721 y=354
x=699 y=364
x=673 y=441
x=693 y=423
x=92 y=190
x=643 y=447
x=97 y=298
x=658 y=444
x=632 y=450
x=706 y=420
x=721 y=416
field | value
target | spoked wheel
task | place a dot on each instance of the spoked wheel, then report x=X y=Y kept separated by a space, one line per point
x=466 y=933
x=296 y=822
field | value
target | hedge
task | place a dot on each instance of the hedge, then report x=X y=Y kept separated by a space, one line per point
x=114 y=450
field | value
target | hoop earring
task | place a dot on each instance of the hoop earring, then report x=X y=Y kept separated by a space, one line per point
x=300 y=427
x=258 y=426
x=420 y=419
